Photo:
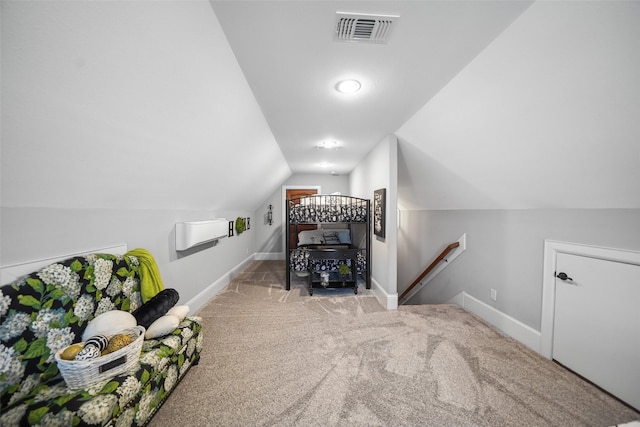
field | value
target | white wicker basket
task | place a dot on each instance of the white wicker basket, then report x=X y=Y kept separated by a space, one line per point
x=81 y=374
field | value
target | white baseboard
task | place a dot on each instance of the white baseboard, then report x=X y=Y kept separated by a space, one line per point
x=200 y=300
x=269 y=256
x=458 y=300
x=503 y=322
x=390 y=301
x=387 y=300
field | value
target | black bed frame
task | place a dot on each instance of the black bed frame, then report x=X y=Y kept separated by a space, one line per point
x=330 y=209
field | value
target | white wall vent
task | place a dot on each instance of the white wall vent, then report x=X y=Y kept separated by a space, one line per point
x=363 y=28
x=193 y=233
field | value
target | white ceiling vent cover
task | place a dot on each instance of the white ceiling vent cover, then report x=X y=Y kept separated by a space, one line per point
x=363 y=28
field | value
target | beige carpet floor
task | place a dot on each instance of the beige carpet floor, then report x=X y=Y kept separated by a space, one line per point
x=282 y=358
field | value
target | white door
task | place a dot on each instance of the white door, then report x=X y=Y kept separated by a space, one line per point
x=596 y=329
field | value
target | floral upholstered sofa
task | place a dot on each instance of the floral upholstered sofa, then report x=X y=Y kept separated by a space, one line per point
x=48 y=310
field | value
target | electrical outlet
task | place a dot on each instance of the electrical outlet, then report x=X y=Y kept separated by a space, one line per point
x=494 y=294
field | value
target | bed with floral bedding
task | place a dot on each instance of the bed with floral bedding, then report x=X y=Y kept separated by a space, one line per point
x=327 y=232
x=49 y=309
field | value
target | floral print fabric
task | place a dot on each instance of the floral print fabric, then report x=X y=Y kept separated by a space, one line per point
x=325 y=209
x=327 y=213
x=47 y=311
x=301 y=260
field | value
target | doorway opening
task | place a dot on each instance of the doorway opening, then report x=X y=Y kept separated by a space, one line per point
x=293 y=192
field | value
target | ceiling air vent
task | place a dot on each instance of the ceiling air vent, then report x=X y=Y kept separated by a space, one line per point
x=363 y=28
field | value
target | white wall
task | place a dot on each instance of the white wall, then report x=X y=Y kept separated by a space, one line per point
x=536 y=139
x=40 y=233
x=269 y=238
x=143 y=93
x=120 y=119
x=504 y=251
x=379 y=170
x=545 y=117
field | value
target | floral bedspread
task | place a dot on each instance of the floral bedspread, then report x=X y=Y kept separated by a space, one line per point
x=327 y=213
x=300 y=260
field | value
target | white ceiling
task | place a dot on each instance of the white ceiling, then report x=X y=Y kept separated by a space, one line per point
x=289 y=57
x=546 y=117
x=136 y=104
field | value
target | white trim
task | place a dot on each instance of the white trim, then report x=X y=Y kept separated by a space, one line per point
x=390 y=301
x=203 y=297
x=503 y=322
x=458 y=299
x=269 y=256
x=441 y=266
x=551 y=249
x=10 y=273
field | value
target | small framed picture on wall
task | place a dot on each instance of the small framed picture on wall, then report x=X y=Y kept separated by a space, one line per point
x=379 y=210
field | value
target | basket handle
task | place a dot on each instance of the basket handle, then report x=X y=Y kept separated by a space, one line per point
x=114 y=363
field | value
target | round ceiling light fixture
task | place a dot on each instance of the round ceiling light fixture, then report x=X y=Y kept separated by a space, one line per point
x=328 y=144
x=348 y=86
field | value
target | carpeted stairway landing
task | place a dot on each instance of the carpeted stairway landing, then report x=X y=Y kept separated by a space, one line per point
x=282 y=358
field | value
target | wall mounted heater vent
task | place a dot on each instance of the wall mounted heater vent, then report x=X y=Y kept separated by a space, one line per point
x=193 y=233
x=363 y=28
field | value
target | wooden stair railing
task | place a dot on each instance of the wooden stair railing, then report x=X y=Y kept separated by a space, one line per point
x=428 y=270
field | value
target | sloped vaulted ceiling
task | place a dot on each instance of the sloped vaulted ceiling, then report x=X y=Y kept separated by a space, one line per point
x=288 y=52
x=129 y=104
x=146 y=104
x=546 y=117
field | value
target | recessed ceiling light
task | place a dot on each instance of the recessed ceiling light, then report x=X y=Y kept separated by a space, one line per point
x=328 y=144
x=348 y=86
x=325 y=164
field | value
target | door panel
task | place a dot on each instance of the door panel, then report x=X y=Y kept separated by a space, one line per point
x=597 y=323
x=296 y=193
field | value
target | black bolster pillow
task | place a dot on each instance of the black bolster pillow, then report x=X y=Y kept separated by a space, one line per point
x=156 y=307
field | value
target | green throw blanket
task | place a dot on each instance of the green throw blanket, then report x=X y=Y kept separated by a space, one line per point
x=150 y=279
